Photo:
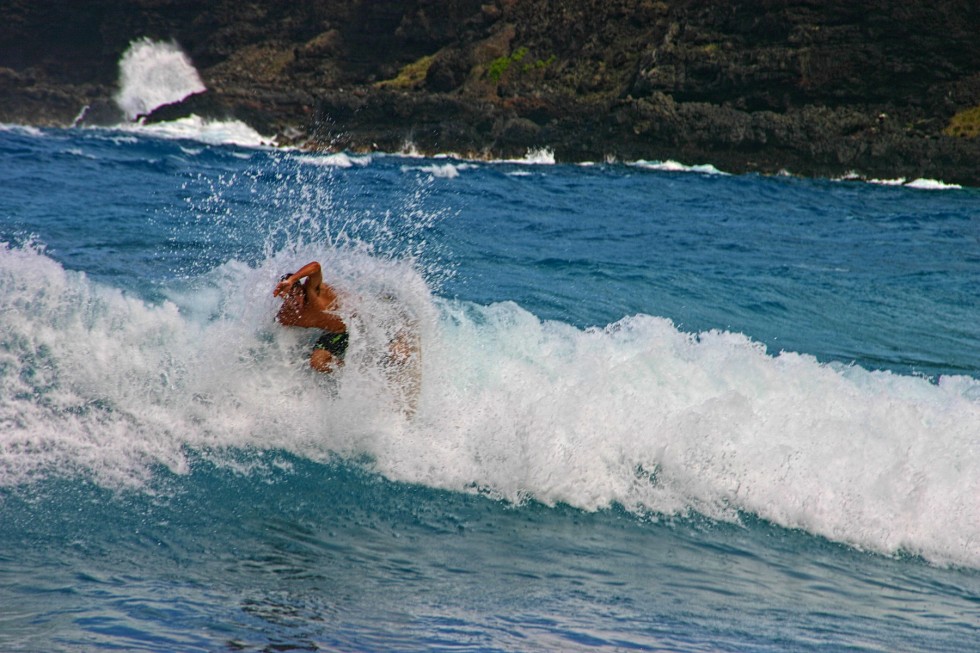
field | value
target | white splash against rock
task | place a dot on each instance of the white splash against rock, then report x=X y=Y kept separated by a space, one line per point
x=154 y=73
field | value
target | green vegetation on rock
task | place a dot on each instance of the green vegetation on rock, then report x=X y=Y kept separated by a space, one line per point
x=499 y=66
x=410 y=76
x=965 y=124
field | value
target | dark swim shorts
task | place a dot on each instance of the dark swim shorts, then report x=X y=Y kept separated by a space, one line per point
x=335 y=343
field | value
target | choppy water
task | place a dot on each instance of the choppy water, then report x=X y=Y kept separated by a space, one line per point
x=660 y=409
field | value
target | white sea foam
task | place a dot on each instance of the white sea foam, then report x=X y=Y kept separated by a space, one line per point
x=647 y=416
x=541 y=156
x=21 y=129
x=932 y=184
x=103 y=384
x=154 y=73
x=410 y=150
x=898 y=181
x=336 y=160
x=919 y=184
x=637 y=413
x=441 y=170
x=79 y=152
x=444 y=171
x=674 y=166
x=195 y=128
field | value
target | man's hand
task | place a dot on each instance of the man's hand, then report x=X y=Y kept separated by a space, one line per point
x=310 y=272
x=283 y=288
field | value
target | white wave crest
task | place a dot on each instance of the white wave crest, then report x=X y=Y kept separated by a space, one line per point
x=918 y=184
x=654 y=419
x=637 y=414
x=542 y=156
x=336 y=160
x=932 y=184
x=674 y=166
x=195 y=128
x=26 y=130
x=442 y=170
x=97 y=382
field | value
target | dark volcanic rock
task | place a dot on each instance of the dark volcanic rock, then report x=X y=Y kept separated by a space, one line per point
x=818 y=88
x=204 y=104
x=448 y=71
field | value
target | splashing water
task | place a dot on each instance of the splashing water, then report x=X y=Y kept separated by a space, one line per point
x=154 y=73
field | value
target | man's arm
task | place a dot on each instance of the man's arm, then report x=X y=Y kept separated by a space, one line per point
x=311 y=270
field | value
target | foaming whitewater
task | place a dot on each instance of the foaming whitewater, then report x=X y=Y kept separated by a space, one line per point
x=661 y=421
x=211 y=132
x=111 y=387
x=674 y=166
x=637 y=414
x=154 y=73
x=541 y=156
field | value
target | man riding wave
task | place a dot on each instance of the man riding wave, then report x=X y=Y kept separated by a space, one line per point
x=311 y=303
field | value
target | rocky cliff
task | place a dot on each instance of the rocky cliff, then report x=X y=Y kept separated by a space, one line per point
x=883 y=88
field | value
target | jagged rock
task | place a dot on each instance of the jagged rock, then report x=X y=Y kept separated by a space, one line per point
x=204 y=104
x=448 y=71
x=517 y=134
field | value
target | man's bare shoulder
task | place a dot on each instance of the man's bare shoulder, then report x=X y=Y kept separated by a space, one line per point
x=325 y=296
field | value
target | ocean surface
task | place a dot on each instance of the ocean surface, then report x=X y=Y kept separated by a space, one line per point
x=662 y=408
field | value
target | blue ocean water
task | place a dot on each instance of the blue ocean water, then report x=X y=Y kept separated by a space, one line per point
x=660 y=409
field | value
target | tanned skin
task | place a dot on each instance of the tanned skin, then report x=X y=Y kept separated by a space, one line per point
x=312 y=304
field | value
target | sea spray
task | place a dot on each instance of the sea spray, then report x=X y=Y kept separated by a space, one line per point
x=106 y=386
x=119 y=385
x=308 y=206
x=154 y=73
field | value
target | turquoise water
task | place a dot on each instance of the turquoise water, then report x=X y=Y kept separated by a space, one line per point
x=660 y=409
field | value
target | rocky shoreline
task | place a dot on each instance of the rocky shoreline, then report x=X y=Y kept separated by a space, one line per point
x=875 y=89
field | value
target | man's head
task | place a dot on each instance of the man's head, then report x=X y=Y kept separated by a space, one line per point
x=296 y=291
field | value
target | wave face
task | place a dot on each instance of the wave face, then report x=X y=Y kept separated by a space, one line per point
x=637 y=414
x=609 y=448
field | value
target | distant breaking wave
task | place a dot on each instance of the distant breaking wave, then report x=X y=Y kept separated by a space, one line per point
x=674 y=166
x=154 y=73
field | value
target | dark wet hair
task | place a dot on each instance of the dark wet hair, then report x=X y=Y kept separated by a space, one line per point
x=285 y=276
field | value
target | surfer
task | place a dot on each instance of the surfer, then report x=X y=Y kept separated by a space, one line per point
x=311 y=303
